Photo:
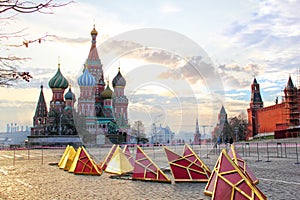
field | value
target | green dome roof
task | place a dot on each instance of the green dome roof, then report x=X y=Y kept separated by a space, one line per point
x=58 y=80
x=107 y=93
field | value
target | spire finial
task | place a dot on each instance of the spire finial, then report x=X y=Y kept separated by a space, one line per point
x=119 y=65
x=107 y=80
x=94 y=32
x=58 y=62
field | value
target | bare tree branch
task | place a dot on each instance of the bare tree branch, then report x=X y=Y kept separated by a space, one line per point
x=28 y=6
x=9 y=9
x=27 y=42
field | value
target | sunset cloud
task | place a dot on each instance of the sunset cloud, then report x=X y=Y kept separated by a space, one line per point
x=195 y=54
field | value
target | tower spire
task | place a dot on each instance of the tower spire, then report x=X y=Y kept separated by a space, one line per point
x=197 y=135
x=41 y=108
x=197 y=131
x=93 y=61
x=256 y=100
x=41 y=115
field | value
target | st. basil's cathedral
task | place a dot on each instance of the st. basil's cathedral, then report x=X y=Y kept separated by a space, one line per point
x=101 y=111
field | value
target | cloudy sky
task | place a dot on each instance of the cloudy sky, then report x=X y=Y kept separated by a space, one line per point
x=182 y=59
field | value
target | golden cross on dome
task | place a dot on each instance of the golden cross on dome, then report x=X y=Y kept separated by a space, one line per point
x=107 y=79
x=58 y=62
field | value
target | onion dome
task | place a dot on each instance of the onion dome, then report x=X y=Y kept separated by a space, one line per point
x=68 y=108
x=86 y=79
x=58 y=80
x=107 y=93
x=119 y=80
x=94 y=32
x=70 y=95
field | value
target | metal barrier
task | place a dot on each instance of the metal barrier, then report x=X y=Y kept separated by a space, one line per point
x=247 y=145
x=297 y=162
x=268 y=157
x=258 y=160
x=261 y=151
x=277 y=147
x=15 y=154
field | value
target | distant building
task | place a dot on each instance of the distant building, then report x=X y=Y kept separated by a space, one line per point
x=161 y=135
x=197 y=135
x=280 y=120
x=222 y=128
x=14 y=135
x=15 y=128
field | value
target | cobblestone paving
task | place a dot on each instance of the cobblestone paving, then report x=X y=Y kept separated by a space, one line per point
x=36 y=179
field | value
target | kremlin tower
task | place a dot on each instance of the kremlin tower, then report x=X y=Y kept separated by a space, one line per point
x=280 y=120
x=197 y=135
x=221 y=129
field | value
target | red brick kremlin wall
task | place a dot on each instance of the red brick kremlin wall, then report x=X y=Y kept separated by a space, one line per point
x=281 y=119
x=269 y=117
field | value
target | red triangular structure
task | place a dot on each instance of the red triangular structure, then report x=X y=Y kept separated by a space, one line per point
x=187 y=167
x=237 y=159
x=193 y=157
x=145 y=169
x=127 y=153
x=108 y=157
x=228 y=182
x=85 y=164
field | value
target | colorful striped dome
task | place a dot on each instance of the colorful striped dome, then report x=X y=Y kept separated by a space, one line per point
x=107 y=93
x=58 y=80
x=86 y=79
x=70 y=95
x=119 y=80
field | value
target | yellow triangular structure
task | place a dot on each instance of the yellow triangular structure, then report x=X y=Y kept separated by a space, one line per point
x=119 y=163
x=65 y=160
x=75 y=160
x=71 y=155
x=63 y=156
